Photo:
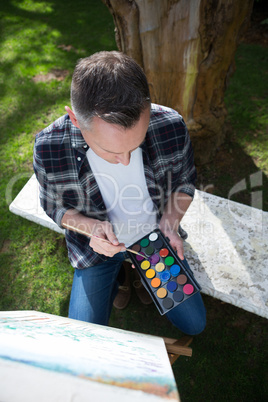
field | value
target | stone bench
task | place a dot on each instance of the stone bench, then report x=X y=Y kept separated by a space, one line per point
x=227 y=245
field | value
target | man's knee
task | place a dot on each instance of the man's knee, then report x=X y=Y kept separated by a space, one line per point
x=196 y=327
x=190 y=316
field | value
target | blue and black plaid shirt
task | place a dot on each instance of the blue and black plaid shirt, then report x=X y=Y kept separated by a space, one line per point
x=67 y=182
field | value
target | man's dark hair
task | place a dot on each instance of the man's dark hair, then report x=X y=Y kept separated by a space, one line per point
x=110 y=85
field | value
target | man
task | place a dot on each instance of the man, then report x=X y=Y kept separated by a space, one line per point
x=116 y=167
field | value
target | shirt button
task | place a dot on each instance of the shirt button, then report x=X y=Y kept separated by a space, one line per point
x=79 y=159
x=73 y=144
x=85 y=146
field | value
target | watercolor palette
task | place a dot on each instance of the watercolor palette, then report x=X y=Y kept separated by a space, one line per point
x=163 y=273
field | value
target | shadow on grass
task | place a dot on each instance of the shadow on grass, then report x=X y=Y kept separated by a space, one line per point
x=83 y=23
x=68 y=30
x=232 y=165
x=229 y=357
x=64 y=305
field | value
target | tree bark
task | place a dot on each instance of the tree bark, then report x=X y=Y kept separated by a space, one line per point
x=187 y=49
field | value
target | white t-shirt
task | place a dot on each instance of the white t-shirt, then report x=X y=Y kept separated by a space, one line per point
x=125 y=194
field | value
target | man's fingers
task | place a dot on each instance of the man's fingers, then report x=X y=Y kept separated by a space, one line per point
x=179 y=250
x=112 y=239
x=108 y=249
x=108 y=230
x=177 y=243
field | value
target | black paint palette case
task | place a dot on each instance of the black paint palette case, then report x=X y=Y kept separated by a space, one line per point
x=163 y=273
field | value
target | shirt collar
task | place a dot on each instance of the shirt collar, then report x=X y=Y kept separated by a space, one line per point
x=76 y=137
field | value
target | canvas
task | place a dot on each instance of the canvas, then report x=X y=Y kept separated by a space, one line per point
x=45 y=357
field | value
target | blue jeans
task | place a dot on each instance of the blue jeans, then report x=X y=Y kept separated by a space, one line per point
x=95 y=288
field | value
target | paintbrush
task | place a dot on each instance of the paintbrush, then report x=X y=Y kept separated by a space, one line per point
x=99 y=238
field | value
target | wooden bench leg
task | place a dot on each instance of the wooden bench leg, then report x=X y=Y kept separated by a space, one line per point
x=178 y=347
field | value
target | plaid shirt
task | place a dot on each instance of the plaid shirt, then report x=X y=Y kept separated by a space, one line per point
x=67 y=182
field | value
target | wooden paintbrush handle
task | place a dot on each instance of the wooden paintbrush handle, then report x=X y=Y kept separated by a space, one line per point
x=97 y=237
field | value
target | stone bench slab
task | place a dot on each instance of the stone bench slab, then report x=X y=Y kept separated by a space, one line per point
x=227 y=245
x=227 y=249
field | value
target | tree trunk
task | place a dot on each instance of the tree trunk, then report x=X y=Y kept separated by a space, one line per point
x=186 y=48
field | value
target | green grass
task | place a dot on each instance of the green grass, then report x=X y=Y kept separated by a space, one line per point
x=248 y=103
x=245 y=151
x=40 y=37
x=37 y=38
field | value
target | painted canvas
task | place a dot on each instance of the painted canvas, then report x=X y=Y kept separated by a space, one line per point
x=57 y=359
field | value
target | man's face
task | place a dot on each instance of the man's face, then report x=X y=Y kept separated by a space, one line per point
x=114 y=143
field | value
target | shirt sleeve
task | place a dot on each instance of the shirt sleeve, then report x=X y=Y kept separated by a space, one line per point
x=187 y=176
x=50 y=199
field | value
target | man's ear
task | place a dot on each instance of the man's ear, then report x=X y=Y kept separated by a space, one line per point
x=72 y=116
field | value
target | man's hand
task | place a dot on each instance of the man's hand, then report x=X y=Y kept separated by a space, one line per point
x=175 y=241
x=177 y=205
x=111 y=246
x=101 y=234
